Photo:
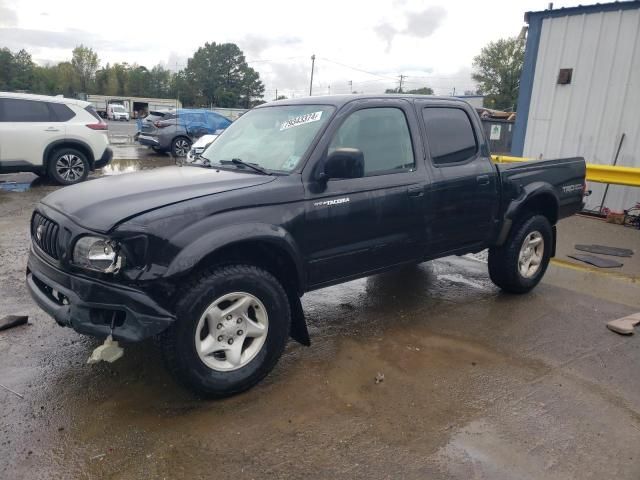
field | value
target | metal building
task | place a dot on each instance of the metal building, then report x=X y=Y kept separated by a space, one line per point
x=580 y=91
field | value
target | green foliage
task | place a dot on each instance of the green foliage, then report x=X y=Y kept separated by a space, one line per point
x=416 y=91
x=217 y=74
x=85 y=63
x=497 y=70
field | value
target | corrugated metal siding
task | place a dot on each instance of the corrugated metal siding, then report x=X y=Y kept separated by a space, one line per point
x=587 y=117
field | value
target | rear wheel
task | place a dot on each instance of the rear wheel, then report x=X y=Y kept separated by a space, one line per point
x=519 y=264
x=232 y=326
x=68 y=166
x=180 y=147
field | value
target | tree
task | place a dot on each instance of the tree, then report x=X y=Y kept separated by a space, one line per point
x=220 y=76
x=497 y=70
x=421 y=91
x=85 y=63
x=22 y=71
x=417 y=91
x=6 y=68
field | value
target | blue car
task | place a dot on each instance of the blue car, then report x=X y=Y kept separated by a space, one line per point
x=175 y=130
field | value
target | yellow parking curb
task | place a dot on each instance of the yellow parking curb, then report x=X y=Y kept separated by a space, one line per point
x=583 y=268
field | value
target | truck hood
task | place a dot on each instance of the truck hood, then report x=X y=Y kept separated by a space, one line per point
x=103 y=203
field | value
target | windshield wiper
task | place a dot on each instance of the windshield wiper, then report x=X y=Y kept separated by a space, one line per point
x=242 y=163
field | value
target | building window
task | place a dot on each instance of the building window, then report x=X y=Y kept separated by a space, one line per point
x=564 y=77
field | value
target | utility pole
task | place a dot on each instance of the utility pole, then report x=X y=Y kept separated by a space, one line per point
x=329 y=88
x=276 y=94
x=350 y=86
x=313 y=62
x=402 y=77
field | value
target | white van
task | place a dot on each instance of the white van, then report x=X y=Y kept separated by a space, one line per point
x=116 y=111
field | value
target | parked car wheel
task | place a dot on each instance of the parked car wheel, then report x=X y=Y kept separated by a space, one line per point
x=519 y=264
x=68 y=166
x=232 y=326
x=180 y=146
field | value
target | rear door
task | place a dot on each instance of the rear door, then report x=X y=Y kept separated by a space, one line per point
x=27 y=127
x=464 y=195
x=359 y=225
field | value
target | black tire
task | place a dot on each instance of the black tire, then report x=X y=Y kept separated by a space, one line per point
x=67 y=166
x=504 y=260
x=179 y=345
x=180 y=146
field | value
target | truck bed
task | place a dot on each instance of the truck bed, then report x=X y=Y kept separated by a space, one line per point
x=562 y=177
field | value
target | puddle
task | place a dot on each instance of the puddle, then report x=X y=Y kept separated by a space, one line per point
x=15 y=186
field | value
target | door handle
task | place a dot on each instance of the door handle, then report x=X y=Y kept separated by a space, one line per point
x=417 y=191
x=52 y=129
x=483 y=179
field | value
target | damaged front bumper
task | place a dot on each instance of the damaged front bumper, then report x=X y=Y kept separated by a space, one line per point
x=90 y=306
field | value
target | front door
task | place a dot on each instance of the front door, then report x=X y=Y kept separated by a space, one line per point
x=359 y=225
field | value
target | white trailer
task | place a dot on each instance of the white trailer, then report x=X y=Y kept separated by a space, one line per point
x=136 y=106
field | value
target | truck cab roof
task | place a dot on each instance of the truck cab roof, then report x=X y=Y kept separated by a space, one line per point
x=340 y=100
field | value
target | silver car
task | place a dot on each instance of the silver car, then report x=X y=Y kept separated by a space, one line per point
x=175 y=131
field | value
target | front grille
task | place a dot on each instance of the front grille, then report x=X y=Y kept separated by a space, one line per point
x=44 y=233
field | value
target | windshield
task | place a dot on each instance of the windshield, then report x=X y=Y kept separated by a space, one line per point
x=118 y=108
x=274 y=138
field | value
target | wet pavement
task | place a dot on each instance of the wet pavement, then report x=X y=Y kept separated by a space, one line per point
x=477 y=384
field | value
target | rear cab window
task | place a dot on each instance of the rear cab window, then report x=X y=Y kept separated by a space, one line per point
x=450 y=135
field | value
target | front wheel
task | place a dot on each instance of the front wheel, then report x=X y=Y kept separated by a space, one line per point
x=519 y=264
x=232 y=326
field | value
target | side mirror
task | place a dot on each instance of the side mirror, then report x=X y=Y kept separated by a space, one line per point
x=344 y=163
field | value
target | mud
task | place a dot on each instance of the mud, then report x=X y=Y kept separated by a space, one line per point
x=477 y=384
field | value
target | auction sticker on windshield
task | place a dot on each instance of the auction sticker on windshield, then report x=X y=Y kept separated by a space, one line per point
x=301 y=120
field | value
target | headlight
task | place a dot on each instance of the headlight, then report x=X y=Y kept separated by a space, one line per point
x=97 y=254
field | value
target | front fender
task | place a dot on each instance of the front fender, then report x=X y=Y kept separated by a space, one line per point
x=196 y=251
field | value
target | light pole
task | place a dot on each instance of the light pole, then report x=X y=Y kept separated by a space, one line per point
x=313 y=62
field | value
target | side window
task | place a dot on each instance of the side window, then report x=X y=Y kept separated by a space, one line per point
x=382 y=134
x=449 y=134
x=17 y=110
x=196 y=118
x=62 y=112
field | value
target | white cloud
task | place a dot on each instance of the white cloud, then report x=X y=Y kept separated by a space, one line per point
x=429 y=40
x=8 y=17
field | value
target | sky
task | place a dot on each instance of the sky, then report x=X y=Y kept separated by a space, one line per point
x=368 y=43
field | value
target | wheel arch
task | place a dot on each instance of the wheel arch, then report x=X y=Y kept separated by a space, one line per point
x=266 y=246
x=536 y=198
x=68 y=143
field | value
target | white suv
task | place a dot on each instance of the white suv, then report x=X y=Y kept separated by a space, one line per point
x=61 y=138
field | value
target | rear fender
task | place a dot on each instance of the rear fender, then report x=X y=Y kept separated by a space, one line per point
x=531 y=194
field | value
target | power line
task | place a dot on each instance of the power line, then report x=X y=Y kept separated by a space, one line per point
x=357 y=69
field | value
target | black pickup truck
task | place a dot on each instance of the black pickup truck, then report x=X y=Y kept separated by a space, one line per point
x=295 y=196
